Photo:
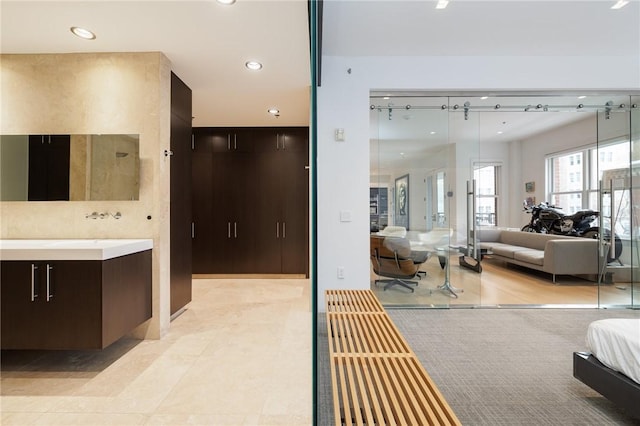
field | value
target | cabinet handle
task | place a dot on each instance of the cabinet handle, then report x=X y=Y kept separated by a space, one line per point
x=284 y=229
x=228 y=142
x=235 y=141
x=228 y=229
x=235 y=229
x=193 y=230
x=49 y=295
x=283 y=147
x=277 y=229
x=33 y=282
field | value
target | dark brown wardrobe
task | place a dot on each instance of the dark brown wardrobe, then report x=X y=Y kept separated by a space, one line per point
x=250 y=200
x=180 y=210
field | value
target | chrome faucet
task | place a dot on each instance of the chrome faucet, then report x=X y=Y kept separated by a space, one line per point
x=104 y=215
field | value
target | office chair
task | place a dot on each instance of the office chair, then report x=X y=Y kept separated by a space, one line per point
x=390 y=257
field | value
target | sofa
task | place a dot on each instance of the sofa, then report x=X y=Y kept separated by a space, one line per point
x=554 y=254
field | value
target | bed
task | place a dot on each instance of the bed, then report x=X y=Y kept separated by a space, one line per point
x=612 y=364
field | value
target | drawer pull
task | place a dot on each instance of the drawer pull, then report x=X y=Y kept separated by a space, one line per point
x=33 y=282
x=49 y=295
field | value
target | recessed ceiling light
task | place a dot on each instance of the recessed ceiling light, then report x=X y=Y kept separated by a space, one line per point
x=274 y=111
x=484 y=97
x=432 y=133
x=442 y=4
x=83 y=33
x=386 y=97
x=620 y=4
x=226 y=1
x=253 y=65
x=500 y=132
x=581 y=97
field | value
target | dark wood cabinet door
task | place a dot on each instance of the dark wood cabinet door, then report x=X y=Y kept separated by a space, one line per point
x=241 y=181
x=202 y=178
x=242 y=177
x=180 y=187
x=72 y=304
x=221 y=219
x=295 y=201
x=270 y=228
x=65 y=312
x=21 y=319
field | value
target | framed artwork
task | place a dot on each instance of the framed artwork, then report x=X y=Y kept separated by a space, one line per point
x=530 y=201
x=530 y=186
x=402 y=201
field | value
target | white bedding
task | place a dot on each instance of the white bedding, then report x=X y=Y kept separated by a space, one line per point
x=616 y=344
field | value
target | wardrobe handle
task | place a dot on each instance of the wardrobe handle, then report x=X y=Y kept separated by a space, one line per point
x=235 y=141
x=277 y=229
x=228 y=229
x=235 y=229
x=228 y=142
x=33 y=282
x=283 y=147
x=277 y=142
x=284 y=229
x=49 y=295
x=193 y=230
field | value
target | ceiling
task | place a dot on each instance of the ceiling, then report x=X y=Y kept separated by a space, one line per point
x=475 y=28
x=209 y=43
x=206 y=42
x=480 y=28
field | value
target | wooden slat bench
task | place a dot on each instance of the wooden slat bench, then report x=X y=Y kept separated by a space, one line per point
x=376 y=377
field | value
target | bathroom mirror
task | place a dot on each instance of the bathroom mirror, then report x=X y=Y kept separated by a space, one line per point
x=69 y=167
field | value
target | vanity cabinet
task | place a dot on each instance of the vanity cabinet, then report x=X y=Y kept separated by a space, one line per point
x=73 y=304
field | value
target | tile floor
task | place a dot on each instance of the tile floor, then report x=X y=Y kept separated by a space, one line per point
x=239 y=355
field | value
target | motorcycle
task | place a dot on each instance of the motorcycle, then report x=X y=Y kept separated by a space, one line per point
x=549 y=219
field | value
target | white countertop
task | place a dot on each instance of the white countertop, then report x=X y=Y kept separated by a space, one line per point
x=72 y=249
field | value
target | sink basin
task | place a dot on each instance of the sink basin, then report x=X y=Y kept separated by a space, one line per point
x=71 y=249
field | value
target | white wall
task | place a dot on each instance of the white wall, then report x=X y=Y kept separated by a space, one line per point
x=343 y=102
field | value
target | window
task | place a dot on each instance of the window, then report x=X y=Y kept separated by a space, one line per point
x=568 y=189
x=487 y=178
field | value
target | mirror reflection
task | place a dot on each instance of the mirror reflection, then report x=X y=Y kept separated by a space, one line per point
x=69 y=167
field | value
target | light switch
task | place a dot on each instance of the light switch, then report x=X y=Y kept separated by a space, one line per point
x=339 y=135
x=345 y=216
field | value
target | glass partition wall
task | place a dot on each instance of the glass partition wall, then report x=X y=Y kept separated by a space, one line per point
x=445 y=170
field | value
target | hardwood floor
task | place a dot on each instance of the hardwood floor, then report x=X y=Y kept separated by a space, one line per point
x=500 y=284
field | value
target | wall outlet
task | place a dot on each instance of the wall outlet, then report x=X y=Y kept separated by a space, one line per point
x=341 y=272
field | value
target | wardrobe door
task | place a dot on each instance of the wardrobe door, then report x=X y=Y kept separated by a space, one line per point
x=223 y=194
x=180 y=186
x=295 y=200
x=268 y=212
x=202 y=203
x=240 y=182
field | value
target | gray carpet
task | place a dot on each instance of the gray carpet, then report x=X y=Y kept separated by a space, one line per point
x=499 y=366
